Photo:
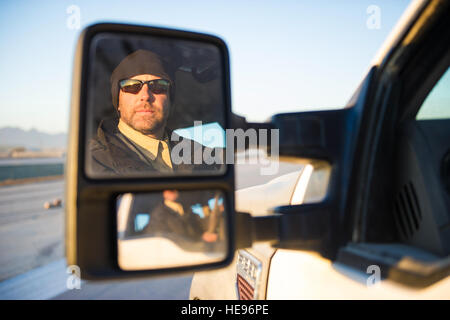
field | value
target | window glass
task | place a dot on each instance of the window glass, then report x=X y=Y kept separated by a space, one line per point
x=437 y=104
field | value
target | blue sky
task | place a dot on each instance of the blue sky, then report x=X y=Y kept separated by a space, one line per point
x=285 y=56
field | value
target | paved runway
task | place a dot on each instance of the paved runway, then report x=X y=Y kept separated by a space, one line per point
x=32 y=261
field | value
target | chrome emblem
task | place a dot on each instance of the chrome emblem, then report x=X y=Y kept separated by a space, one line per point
x=249 y=269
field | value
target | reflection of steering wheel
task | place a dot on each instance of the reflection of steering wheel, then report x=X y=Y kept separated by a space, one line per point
x=215 y=215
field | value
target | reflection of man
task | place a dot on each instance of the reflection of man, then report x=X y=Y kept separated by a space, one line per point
x=142 y=91
x=171 y=217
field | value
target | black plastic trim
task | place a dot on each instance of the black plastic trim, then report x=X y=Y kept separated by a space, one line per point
x=412 y=272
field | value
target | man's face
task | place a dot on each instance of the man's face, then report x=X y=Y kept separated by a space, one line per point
x=145 y=111
x=170 y=195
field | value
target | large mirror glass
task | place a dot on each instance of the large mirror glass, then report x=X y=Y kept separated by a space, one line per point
x=170 y=228
x=154 y=107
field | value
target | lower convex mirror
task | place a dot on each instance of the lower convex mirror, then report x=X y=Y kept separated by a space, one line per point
x=170 y=228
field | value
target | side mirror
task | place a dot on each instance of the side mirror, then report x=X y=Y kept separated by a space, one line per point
x=148 y=189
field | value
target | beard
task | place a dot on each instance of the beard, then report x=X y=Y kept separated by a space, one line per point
x=150 y=123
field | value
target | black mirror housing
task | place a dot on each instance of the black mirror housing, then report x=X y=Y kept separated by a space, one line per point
x=91 y=236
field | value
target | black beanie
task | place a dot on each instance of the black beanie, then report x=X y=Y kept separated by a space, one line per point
x=139 y=62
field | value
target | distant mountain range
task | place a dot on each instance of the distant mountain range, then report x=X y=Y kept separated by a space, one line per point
x=31 y=139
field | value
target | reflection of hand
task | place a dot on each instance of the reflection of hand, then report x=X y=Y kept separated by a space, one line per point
x=209 y=237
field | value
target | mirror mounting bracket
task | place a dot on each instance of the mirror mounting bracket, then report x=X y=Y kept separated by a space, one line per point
x=301 y=227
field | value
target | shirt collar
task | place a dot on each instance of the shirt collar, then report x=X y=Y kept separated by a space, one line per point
x=141 y=139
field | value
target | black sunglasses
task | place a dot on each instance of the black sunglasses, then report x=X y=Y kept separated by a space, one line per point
x=157 y=86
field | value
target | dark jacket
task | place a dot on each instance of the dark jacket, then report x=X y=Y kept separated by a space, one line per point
x=167 y=222
x=111 y=153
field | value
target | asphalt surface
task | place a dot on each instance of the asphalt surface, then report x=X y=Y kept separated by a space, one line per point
x=30 y=236
x=32 y=244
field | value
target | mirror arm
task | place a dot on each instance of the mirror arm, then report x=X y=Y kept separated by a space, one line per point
x=251 y=229
x=301 y=134
x=239 y=122
x=303 y=227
